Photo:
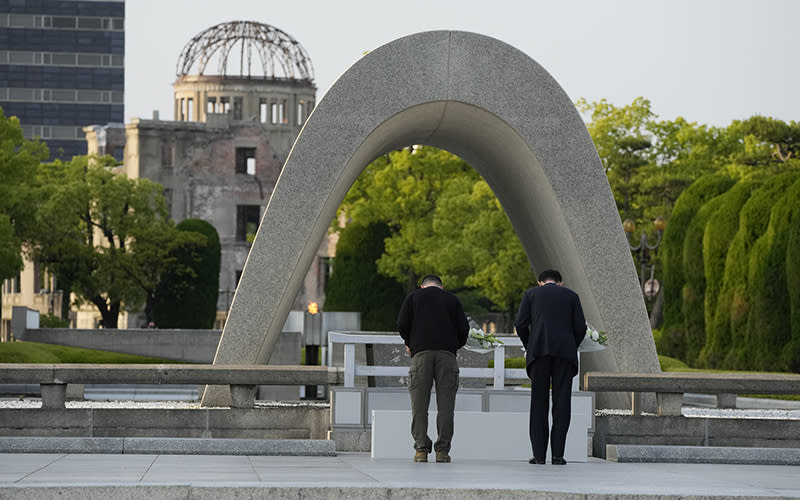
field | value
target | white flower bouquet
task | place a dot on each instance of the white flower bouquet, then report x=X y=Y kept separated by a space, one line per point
x=594 y=340
x=479 y=341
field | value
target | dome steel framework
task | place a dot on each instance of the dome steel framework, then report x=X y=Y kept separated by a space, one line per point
x=280 y=55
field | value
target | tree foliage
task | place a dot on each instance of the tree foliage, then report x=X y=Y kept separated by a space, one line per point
x=443 y=218
x=19 y=161
x=104 y=234
x=768 y=140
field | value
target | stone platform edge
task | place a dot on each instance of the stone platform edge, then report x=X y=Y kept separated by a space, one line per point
x=633 y=453
x=241 y=492
x=168 y=446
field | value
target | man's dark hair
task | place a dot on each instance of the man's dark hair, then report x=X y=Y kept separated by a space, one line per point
x=550 y=274
x=431 y=279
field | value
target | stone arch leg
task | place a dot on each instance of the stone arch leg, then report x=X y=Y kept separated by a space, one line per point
x=504 y=114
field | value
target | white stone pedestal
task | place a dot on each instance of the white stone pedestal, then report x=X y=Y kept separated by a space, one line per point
x=482 y=435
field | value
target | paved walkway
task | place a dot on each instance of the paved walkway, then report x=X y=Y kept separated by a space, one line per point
x=356 y=475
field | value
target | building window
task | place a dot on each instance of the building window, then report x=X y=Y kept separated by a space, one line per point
x=189 y=110
x=247 y=222
x=325 y=271
x=263 y=115
x=237 y=108
x=168 y=199
x=246 y=161
x=167 y=154
x=225 y=105
x=300 y=111
x=39 y=285
x=277 y=111
x=211 y=105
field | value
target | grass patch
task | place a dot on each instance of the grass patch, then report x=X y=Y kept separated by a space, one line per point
x=675 y=365
x=35 y=352
x=518 y=362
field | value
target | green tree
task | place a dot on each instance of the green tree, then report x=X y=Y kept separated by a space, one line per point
x=355 y=284
x=622 y=140
x=186 y=293
x=478 y=244
x=444 y=219
x=19 y=161
x=102 y=233
x=402 y=189
x=768 y=140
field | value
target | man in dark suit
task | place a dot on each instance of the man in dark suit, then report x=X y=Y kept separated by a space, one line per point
x=551 y=325
x=433 y=325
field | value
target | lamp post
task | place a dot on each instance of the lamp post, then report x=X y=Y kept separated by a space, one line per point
x=650 y=287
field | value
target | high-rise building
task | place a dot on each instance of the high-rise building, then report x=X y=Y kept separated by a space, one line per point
x=62 y=68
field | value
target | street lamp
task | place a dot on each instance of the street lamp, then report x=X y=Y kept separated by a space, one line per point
x=650 y=287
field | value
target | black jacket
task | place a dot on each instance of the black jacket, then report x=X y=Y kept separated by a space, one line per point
x=432 y=319
x=550 y=322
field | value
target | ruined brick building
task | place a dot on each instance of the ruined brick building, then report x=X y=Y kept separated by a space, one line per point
x=242 y=94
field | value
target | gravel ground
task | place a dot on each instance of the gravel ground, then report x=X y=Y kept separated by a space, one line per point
x=687 y=411
x=147 y=405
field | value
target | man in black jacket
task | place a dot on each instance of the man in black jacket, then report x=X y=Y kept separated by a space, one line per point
x=433 y=326
x=551 y=325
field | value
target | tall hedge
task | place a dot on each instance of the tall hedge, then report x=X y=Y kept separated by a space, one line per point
x=768 y=326
x=733 y=306
x=673 y=340
x=189 y=300
x=355 y=284
x=694 y=289
x=791 y=352
x=720 y=231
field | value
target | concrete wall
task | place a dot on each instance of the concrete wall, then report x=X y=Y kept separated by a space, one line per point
x=651 y=430
x=297 y=422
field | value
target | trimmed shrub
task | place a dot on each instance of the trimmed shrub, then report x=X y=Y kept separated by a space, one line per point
x=733 y=305
x=768 y=325
x=720 y=231
x=189 y=300
x=791 y=352
x=693 y=305
x=673 y=338
x=355 y=284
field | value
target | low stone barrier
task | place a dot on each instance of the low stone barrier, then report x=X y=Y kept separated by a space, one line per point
x=242 y=379
x=669 y=387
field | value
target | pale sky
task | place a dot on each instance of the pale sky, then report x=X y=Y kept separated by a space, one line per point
x=709 y=61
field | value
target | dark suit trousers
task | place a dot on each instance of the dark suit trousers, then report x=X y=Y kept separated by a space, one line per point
x=543 y=372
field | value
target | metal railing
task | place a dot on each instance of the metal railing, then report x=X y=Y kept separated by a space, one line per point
x=499 y=374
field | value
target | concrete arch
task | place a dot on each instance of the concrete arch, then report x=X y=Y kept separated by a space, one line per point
x=499 y=110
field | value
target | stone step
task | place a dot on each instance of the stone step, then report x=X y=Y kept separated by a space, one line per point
x=634 y=453
x=168 y=446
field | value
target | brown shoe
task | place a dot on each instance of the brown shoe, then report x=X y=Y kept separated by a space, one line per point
x=421 y=456
x=442 y=457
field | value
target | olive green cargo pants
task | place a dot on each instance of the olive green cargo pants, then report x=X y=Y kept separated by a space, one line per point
x=427 y=367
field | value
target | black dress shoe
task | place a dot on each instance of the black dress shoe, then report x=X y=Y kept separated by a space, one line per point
x=537 y=461
x=559 y=461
